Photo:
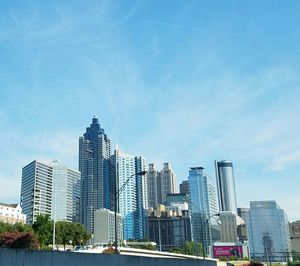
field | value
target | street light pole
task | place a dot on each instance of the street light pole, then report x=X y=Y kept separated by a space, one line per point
x=117 y=194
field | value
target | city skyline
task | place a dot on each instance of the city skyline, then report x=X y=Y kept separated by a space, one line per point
x=204 y=82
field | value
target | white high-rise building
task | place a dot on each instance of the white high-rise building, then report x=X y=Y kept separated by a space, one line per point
x=50 y=188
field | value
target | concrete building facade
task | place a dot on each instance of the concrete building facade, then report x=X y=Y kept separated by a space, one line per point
x=104 y=231
x=294 y=228
x=11 y=213
x=160 y=184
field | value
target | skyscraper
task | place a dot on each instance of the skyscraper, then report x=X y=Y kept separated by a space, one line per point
x=167 y=181
x=96 y=180
x=152 y=186
x=203 y=205
x=226 y=186
x=268 y=231
x=160 y=184
x=50 y=188
x=184 y=187
x=133 y=194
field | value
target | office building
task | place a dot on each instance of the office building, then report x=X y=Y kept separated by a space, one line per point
x=11 y=213
x=294 y=228
x=203 y=206
x=132 y=194
x=177 y=198
x=242 y=229
x=268 y=232
x=104 y=230
x=226 y=186
x=50 y=188
x=97 y=182
x=168 y=182
x=184 y=187
x=170 y=228
x=228 y=226
x=153 y=186
x=160 y=184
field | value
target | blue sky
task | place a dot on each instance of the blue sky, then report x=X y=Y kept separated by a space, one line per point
x=181 y=81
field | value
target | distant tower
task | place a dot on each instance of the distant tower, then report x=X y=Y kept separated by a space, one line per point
x=160 y=184
x=184 y=187
x=94 y=165
x=203 y=205
x=167 y=181
x=152 y=186
x=226 y=186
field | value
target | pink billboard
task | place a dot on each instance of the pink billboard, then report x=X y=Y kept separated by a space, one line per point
x=227 y=251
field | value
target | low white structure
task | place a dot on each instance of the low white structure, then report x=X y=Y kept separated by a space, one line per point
x=11 y=213
x=104 y=226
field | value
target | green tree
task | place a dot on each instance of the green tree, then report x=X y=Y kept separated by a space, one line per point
x=5 y=227
x=43 y=227
x=80 y=235
x=22 y=228
x=66 y=231
x=189 y=248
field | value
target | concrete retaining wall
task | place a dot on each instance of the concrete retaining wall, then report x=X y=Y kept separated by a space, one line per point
x=11 y=257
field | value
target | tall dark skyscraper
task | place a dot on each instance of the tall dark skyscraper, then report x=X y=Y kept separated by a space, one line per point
x=94 y=165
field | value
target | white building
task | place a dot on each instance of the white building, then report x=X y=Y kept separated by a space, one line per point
x=11 y=213
x=104 y=227
x=50 y=188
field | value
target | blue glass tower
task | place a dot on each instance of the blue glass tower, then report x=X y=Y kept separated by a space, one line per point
x=132 y=196
x=268 y=232
x=203 y=204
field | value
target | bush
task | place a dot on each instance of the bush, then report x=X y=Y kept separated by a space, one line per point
x=109 y=251
x=19 y=240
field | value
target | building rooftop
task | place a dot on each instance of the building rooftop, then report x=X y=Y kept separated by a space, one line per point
x=12 y=205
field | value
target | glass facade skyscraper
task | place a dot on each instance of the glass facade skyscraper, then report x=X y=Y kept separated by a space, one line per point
x=203 y=205
x=268 y=231
x=96 y=179
x=50 y=188
x=226 y=186
x=133 y=195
